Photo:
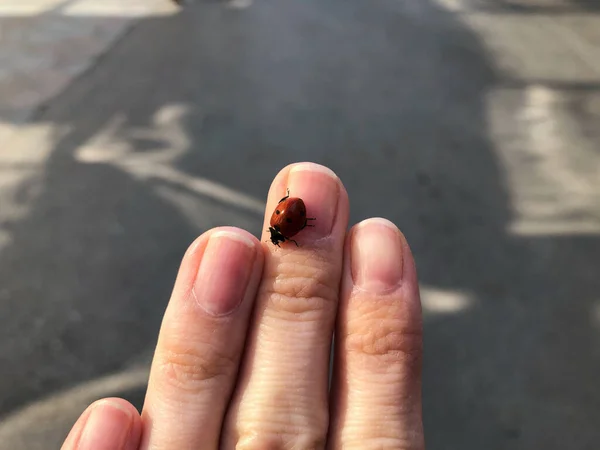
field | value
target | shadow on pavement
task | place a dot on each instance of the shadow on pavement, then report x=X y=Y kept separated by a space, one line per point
x=533 y=7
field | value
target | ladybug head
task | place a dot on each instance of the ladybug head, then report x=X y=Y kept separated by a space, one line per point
x=276 y=236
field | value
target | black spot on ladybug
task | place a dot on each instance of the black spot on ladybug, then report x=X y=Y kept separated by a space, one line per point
x=277 y=212
x=302 y=213
x=288 y=220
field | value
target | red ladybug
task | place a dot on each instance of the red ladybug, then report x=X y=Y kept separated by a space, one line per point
x=288 y=219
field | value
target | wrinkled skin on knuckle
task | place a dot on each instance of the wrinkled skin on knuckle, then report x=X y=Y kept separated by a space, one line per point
x=387 y=343
x=252 y=440
x=383 y=443
x=195 y=369
x=301 y=283
x=261 y=428
x=385 y=331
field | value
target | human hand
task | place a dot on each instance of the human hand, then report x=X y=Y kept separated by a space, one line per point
x=243 y=355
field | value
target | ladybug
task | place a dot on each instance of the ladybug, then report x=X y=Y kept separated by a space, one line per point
x=288 y=219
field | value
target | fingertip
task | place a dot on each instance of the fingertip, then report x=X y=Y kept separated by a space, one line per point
x=283 y=174
x=380 y=256
x=380 y=279
x=192 y=258
x=376 y=254
x=110 y=423
x=312 y=167
x=235 y=232
x=323 y=193
x=230 y=261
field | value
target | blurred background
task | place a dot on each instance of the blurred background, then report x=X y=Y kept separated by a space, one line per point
x=127 y=128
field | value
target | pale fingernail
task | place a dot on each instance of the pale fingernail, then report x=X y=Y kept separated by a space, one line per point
x=319 y=187
x=108 y=426
x=376 y=255
x=224 y=272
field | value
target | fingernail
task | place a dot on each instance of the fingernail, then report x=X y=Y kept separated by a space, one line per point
x=224 y=272
x=319 y=187
x=376 y=254
x=108 y=426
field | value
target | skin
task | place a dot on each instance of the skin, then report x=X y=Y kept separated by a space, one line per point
x=243 y=354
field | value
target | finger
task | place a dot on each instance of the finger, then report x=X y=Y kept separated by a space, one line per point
x=201 y=341
x=376 y=393
x=281 y=401
x=109 y=424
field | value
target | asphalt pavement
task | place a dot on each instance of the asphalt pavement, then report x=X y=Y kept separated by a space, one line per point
x=473 y=125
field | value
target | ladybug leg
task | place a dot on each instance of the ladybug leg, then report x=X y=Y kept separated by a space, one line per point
x=306 y=224
x=286 y=197
x=294 y=242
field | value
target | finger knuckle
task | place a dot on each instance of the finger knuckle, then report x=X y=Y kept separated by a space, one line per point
x=409 y=442
x=306 y=440
x=301 y=287
x=388 y=343
x=194 y=369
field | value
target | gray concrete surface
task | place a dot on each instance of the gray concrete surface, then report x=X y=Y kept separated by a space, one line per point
x=475 y=126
